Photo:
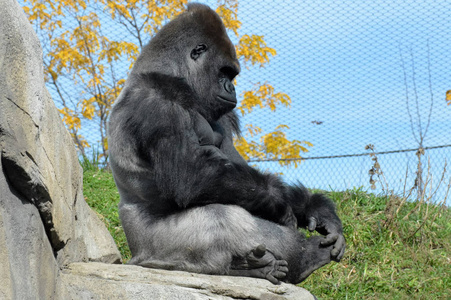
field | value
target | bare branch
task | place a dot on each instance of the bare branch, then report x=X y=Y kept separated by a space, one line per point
x=430 y=90
x=407 y=95
x=415 y=90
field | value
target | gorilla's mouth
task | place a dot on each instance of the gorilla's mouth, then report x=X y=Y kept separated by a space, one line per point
x=228 y=100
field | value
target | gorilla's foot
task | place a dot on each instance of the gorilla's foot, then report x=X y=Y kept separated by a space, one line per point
x=311 y=258
x=260 y=263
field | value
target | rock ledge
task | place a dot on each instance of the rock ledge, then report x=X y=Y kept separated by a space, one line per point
x=99 y=280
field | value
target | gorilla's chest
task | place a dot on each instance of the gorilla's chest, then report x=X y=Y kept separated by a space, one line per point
x=208 y=133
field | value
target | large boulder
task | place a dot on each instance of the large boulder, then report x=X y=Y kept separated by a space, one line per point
x=52 y=245
x=44 y=221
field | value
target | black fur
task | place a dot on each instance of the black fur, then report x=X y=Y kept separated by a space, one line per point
x=189 y=201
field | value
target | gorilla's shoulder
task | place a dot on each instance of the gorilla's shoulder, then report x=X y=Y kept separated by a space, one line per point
x=162 y=86
x=162 y=81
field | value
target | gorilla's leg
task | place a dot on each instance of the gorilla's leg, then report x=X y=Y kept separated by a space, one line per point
x=222 y=240
x=265 y=266
x=213 y=239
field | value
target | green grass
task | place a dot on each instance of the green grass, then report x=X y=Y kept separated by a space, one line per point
x=387 y=260
x=101 y=194
x=387 y=257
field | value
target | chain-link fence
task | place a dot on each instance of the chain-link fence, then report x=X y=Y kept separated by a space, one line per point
x=358 y=73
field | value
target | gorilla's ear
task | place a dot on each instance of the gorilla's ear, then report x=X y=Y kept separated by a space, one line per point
x=196 y=52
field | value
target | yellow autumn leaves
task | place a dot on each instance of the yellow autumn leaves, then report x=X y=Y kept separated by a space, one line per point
x=263 y=96
x=271 y=146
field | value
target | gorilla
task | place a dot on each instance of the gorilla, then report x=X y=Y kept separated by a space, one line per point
x=188 y=200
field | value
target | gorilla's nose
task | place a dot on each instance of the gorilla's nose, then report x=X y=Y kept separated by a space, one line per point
x=229 y=87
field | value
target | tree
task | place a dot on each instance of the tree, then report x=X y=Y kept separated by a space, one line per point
x=77 y=53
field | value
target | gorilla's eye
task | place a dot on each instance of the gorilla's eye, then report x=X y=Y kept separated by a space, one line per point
x=196 y=52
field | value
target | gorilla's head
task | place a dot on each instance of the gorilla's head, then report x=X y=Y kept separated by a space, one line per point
x=195 y=47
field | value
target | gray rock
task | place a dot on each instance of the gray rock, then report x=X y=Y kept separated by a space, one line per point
x=52 y=245
x=28 y=268
x=38 y=156
x=44 y=221
x=103 y=281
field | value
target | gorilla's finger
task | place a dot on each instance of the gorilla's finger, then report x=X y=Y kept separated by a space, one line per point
x=272 y=279
x=335 y=252
x=339 y=248
x=342 y=252
x=283 y=269
x=311 y=223
x=329 y=239
x=279 y=275
x=282 y=263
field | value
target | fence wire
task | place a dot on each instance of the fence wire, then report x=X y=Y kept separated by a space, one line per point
x=358 y=73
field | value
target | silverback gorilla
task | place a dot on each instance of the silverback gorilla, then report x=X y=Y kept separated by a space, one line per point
x=189 y=201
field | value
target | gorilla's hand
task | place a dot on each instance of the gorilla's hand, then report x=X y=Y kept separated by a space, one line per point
x=333 y=232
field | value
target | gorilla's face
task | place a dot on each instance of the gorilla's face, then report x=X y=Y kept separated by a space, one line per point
x=213 y=67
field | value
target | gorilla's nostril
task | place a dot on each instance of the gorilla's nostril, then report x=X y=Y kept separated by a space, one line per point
x=229 y=87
